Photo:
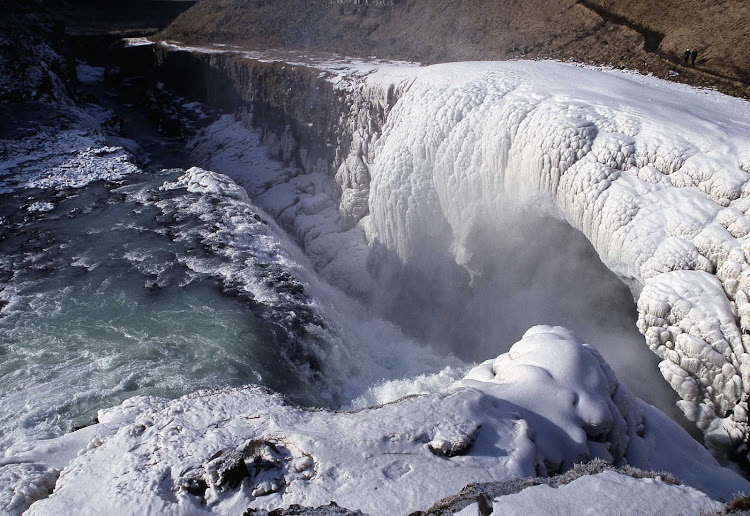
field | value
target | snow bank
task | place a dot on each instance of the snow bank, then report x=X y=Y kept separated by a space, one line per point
x=548 y=403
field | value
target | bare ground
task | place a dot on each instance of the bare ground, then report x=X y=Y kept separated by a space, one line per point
x=634 y=34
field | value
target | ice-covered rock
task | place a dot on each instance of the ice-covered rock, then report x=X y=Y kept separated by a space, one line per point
x=71 y=156
x=202 y=181
x=654 y=175
x=547 y=404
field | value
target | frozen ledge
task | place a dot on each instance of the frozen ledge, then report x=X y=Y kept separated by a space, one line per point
x=549 y=403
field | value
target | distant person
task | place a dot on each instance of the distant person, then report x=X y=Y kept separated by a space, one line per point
x=693 y=56
x=687 y=55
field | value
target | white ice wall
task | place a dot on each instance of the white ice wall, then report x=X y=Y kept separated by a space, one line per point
x=654 y=174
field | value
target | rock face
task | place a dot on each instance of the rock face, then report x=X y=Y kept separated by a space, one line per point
x=31 y=69
x=231 y=449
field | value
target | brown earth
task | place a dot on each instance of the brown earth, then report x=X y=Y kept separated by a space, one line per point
x=115 y=17
x=635 y=34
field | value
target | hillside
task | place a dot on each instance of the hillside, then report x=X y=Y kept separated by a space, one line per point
x=633 y=34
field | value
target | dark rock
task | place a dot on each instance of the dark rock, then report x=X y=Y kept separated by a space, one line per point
x=485 y=505
x=296 y=510
x=230 y=470
x=194 y=482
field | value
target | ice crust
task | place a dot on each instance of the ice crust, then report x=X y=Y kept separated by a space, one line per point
x=547 y=404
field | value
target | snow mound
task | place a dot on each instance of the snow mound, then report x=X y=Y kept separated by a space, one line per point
x=227 y=450
x=655 y=175
x=573 y=387
x=201 y=181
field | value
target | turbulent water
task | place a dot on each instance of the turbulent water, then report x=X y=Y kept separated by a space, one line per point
x=98 y=307
x=139 y=286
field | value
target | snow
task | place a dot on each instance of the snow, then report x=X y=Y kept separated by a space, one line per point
x=226 y=450
x=137 y=42
x=604 y=493
x=201 y=181
x=345 y=72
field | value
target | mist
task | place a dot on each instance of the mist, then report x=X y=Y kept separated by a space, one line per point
x=522 y=269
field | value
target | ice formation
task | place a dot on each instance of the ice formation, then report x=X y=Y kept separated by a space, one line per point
x=653 y=174
x=70 y=152
x=547 y=404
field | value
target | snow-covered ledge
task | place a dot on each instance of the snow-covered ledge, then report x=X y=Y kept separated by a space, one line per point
x=547 y=404
x=655 y=175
